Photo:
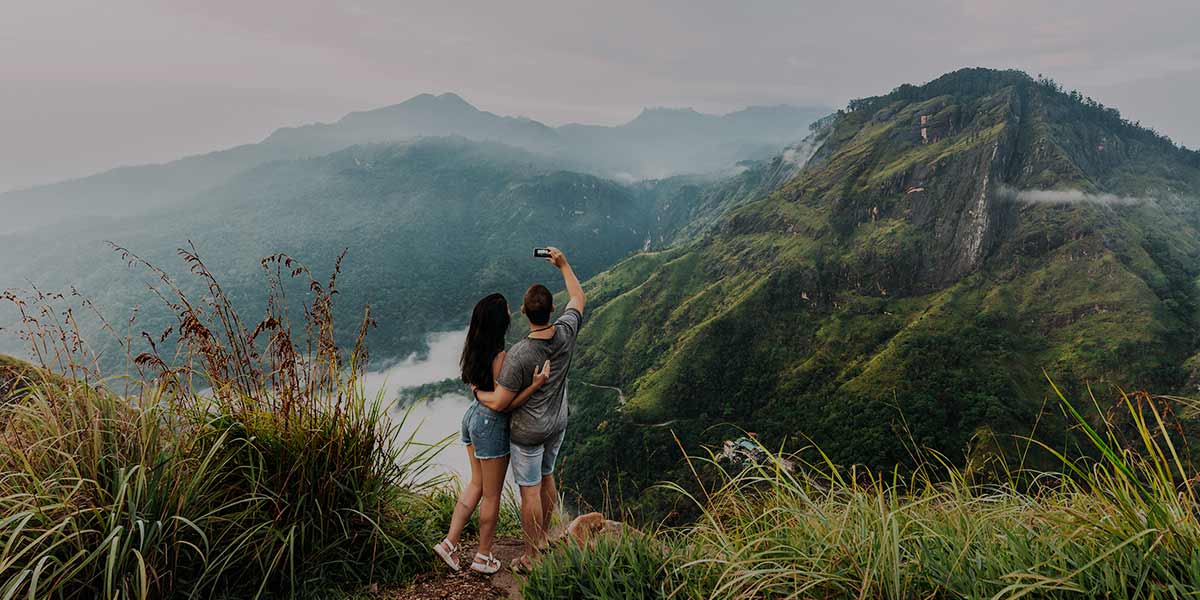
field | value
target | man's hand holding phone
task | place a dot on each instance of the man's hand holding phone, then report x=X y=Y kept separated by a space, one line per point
x=556 y=258
x=552 y=255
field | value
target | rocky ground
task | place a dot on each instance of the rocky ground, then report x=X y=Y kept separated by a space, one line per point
x=445 y=584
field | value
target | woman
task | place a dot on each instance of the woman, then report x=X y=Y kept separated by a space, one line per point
x=485 y=432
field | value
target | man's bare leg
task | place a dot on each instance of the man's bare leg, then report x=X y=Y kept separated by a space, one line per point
x=531 y=519
x=549 y=499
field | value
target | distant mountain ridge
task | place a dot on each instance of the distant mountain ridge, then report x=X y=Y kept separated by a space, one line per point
x=430 y=226
x=648 y=146
x=422 y=115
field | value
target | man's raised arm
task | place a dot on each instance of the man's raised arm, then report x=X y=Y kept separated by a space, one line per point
x=574 y=290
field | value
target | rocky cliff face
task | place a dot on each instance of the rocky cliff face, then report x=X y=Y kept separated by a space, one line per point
x=691 y=206
x=938 y=164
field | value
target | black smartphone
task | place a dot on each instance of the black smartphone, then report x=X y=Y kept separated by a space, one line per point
x=541 y=253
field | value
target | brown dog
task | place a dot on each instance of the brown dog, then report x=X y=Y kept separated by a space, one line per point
x=585 y=527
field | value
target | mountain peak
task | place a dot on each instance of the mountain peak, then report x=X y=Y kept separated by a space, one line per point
x=658 y=120
x=452 y=98
x=963 y=83
x=980 y=79
x=446 y=101
x=665 y=110
x=664 y=113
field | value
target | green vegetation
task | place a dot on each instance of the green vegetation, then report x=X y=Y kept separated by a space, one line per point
x=301 y=488
x=429 y=228
x=896 y=304
x=281 y=479
x=428 y=392
x=897 y=288
x=1120 y=525
x=618 y=566
x=104 y=499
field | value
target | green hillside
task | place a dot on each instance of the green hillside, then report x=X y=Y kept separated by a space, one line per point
x=430 y=227
x=906 y=289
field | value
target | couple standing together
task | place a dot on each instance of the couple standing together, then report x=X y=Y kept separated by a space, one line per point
x=519 y=415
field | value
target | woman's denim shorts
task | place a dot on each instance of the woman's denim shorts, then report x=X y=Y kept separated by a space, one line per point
x=487 y=430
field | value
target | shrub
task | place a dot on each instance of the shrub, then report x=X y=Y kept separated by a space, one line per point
x=631 y=565
x=250 y=465
x=1123 y=526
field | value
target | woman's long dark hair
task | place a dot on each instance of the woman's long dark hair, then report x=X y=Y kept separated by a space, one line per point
x=485 y=339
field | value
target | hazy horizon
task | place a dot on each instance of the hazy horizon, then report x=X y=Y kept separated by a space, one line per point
x=91 y=85
x=204 y=150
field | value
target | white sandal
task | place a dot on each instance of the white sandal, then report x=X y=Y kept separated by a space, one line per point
x=445 y=549
x=490 y=564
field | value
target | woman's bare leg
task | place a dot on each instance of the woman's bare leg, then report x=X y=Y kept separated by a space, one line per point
x=468 y=499
x=494 y=470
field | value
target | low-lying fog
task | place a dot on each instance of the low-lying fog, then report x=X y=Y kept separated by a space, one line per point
x=432 y=421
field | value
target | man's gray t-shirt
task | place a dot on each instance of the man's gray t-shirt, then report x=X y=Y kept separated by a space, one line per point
x=545 y=414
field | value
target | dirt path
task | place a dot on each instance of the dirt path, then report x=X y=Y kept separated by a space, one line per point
x=444 y=584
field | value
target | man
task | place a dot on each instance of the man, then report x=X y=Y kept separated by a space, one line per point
x=538 y=427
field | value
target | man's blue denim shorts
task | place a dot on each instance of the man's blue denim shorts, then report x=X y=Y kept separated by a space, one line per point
x=531 y=463
x=487 y=430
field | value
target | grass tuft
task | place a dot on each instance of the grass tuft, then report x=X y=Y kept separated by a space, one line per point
x=1119 y=523
x=248 y=464
x=630 y=565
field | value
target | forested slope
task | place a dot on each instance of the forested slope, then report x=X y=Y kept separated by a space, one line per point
x=906 y=289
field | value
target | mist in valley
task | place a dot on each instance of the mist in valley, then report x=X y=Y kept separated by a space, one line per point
x=428 y=422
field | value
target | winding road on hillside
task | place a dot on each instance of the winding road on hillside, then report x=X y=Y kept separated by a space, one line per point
x=620 y=394
x=621 y=402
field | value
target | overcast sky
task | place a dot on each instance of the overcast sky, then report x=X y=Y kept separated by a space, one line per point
x=88 y=85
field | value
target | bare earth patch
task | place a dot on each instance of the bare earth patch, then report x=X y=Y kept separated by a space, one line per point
x=444 y=584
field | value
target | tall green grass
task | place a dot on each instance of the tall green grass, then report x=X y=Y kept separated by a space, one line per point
x=1122 y=522
x=627 y=566
x=249 y=464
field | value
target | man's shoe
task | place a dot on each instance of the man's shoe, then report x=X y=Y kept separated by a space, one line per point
x=521 y=565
